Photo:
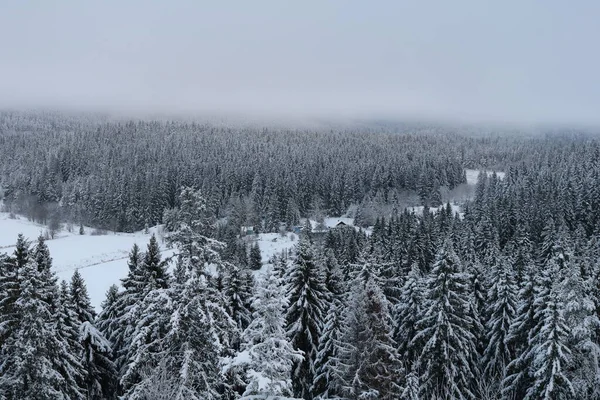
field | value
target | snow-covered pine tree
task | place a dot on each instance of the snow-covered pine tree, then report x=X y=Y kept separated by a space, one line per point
x=190 y=347
x=153 y=268
x=550 y=353
x=68 y=321
x=238 y=285
x=255 y=259
x=37 y=362
x=407 y=313
x=411 y=388
x=119 y=318
x=108 y=314
x=517 y=372
x=349 y=354
x=99 y=378
x=326 y=382
x=447 y=361
x=520 y=374
x=80 y=299
x=10 y=281
x=271 y=355
x=576 y=293
x=502 y=304
x=380 y=371
x=99 y=370
x=150 y=318
x=306 y=314
x=366 y=364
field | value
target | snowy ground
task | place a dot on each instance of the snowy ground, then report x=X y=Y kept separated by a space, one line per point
x=101 y=260
x=472 y=175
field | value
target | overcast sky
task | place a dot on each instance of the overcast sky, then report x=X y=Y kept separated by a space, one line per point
x=532 y=61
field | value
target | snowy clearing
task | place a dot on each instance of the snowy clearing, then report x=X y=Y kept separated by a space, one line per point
x=472 y=175
x=101 y=259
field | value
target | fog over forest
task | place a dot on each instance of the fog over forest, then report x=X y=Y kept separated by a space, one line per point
x=267 y=200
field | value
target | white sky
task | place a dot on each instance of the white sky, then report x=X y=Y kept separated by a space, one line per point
x=510 y=61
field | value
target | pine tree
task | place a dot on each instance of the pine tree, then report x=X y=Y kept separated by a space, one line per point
x=551 y=354
x=326 y=382
x=10 y=282
x=238 y=286
x=255 y=262
x=411 y=389
x=153 y=268
x=380 y=371
x=95 y=352
x=502 y=299
x=446 y=361
x=519 y=336
x=68 y=321
x=272 y=356
x=407 y=314
x=520 y=374
x=143 y=352
x=147 y=320
x=306 y=314
x=80 y=299
x=580 y=316
x=108 y=314
x=188 y=348
x=100 y=373
x=36 y=358
x=119 y=315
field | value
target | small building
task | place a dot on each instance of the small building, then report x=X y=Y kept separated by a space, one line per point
x=247 y=230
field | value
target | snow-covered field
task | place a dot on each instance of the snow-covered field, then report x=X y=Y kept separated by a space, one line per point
x=272 y=244
x=101 y=259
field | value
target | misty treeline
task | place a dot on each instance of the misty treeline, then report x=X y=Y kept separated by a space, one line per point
x=122 y=175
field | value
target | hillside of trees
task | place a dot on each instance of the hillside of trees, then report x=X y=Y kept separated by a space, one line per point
x=122 y=174
x=501 y=301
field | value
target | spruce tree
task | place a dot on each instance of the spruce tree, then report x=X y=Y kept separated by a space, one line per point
x=551 y=354
x=576 y=293
x=80 y=299
x=153 y=268
x=188 y=349
x=238 y=285
x=10 y=286
x=99 y=378
x=37 y=362
x=326 y=382
x=119 y=316
x=519 y=335
x=446 y=363
x=411 y=388
x=147 y=320
x=380 y=372
x=407 y=314
x=271 y=354
x=255 y=260
x=305 y=316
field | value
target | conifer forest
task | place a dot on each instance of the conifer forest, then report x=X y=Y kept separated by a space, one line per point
x=437 y=290
x=299 y=200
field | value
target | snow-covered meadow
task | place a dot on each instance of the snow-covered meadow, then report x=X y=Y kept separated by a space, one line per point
x=101 y=259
